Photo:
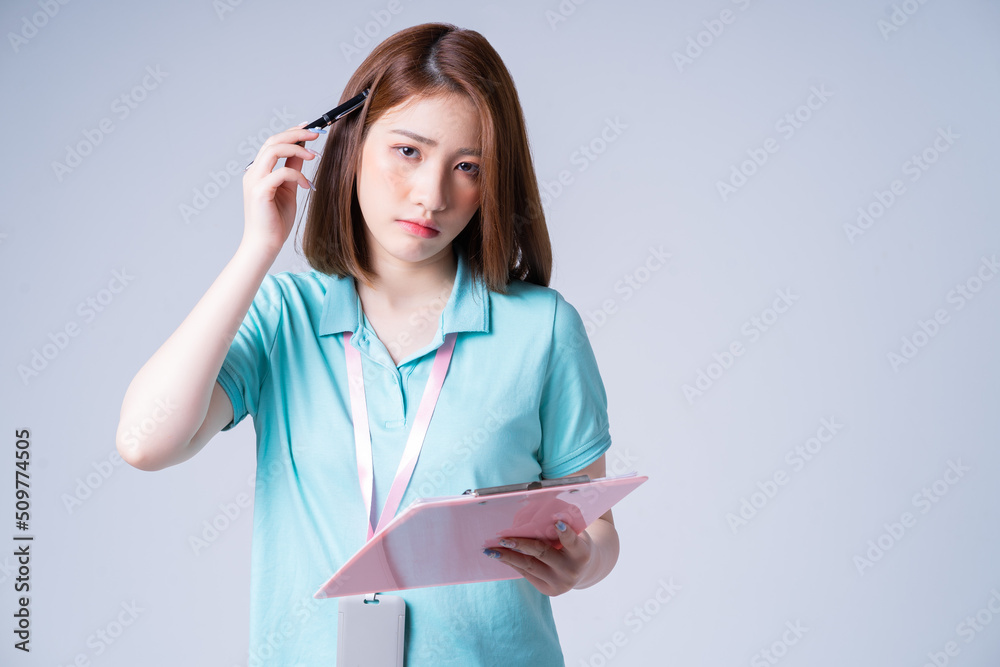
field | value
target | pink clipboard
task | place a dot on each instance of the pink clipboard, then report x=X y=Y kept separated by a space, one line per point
x=440 y=541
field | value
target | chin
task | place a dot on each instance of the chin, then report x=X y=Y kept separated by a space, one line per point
x=414 y=250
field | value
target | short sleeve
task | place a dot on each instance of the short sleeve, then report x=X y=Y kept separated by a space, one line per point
x=247 y=365
x=574 y=405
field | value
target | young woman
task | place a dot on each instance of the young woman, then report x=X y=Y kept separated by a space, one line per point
x=426 y=237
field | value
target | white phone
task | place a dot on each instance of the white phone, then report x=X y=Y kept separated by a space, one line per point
x=371 y=631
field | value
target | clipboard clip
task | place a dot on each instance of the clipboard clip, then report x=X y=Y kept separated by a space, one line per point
x=527 y=486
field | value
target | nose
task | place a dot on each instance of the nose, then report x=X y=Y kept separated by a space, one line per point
x=430 y=188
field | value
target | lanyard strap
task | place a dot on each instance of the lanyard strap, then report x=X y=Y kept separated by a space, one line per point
x=363 y=437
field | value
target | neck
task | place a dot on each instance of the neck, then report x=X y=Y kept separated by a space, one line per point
x=406 y=285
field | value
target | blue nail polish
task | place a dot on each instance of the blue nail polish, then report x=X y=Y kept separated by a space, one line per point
x=560 y=526
x=317 y=129
x=492 y=553
x=510 y=544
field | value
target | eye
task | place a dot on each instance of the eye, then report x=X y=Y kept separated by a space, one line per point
x=471 y=169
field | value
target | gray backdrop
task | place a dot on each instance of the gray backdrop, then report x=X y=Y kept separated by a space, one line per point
x=778 y=219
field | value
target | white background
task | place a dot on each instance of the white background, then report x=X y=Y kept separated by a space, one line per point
x=107 y=535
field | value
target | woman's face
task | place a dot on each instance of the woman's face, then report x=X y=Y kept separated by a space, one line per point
x=420 y=161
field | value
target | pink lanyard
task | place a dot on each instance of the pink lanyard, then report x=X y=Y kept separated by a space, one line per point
x=363 y=436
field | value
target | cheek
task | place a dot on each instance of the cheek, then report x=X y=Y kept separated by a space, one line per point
x=470 y=197
x=391 y=174
x=381 y=177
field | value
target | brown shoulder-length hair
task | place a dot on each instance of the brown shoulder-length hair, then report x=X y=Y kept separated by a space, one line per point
x=506 y=238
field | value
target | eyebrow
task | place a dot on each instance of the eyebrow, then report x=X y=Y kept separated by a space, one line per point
x=430 y=142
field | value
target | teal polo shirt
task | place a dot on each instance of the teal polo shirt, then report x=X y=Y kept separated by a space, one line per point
x=523 y=400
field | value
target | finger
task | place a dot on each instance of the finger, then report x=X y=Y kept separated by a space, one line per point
x=292 y=150
x=534 y=548
x=524 y=563
x=294 y=155
x=544 y=579
x=295 y=161
x=568 y=537
x=292 y=136
x=268 y=185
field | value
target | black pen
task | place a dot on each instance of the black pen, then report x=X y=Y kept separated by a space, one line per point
x=332 y=115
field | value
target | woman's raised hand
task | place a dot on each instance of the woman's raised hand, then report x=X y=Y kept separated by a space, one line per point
x=269 y=193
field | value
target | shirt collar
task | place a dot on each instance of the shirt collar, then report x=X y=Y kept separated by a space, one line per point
x=467 y=309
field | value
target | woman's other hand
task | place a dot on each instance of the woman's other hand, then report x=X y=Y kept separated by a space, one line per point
x=553 y=570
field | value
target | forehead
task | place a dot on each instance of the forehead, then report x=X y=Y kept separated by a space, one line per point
x=448 y=117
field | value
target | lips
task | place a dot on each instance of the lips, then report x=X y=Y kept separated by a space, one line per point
x=423 y=223
x=419 y=228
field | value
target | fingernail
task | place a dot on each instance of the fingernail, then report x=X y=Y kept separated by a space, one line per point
x=560 y=526
x=310 y=185
x=510 y=544
x=317 y=129
x=492 y=553
x=316 y=153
